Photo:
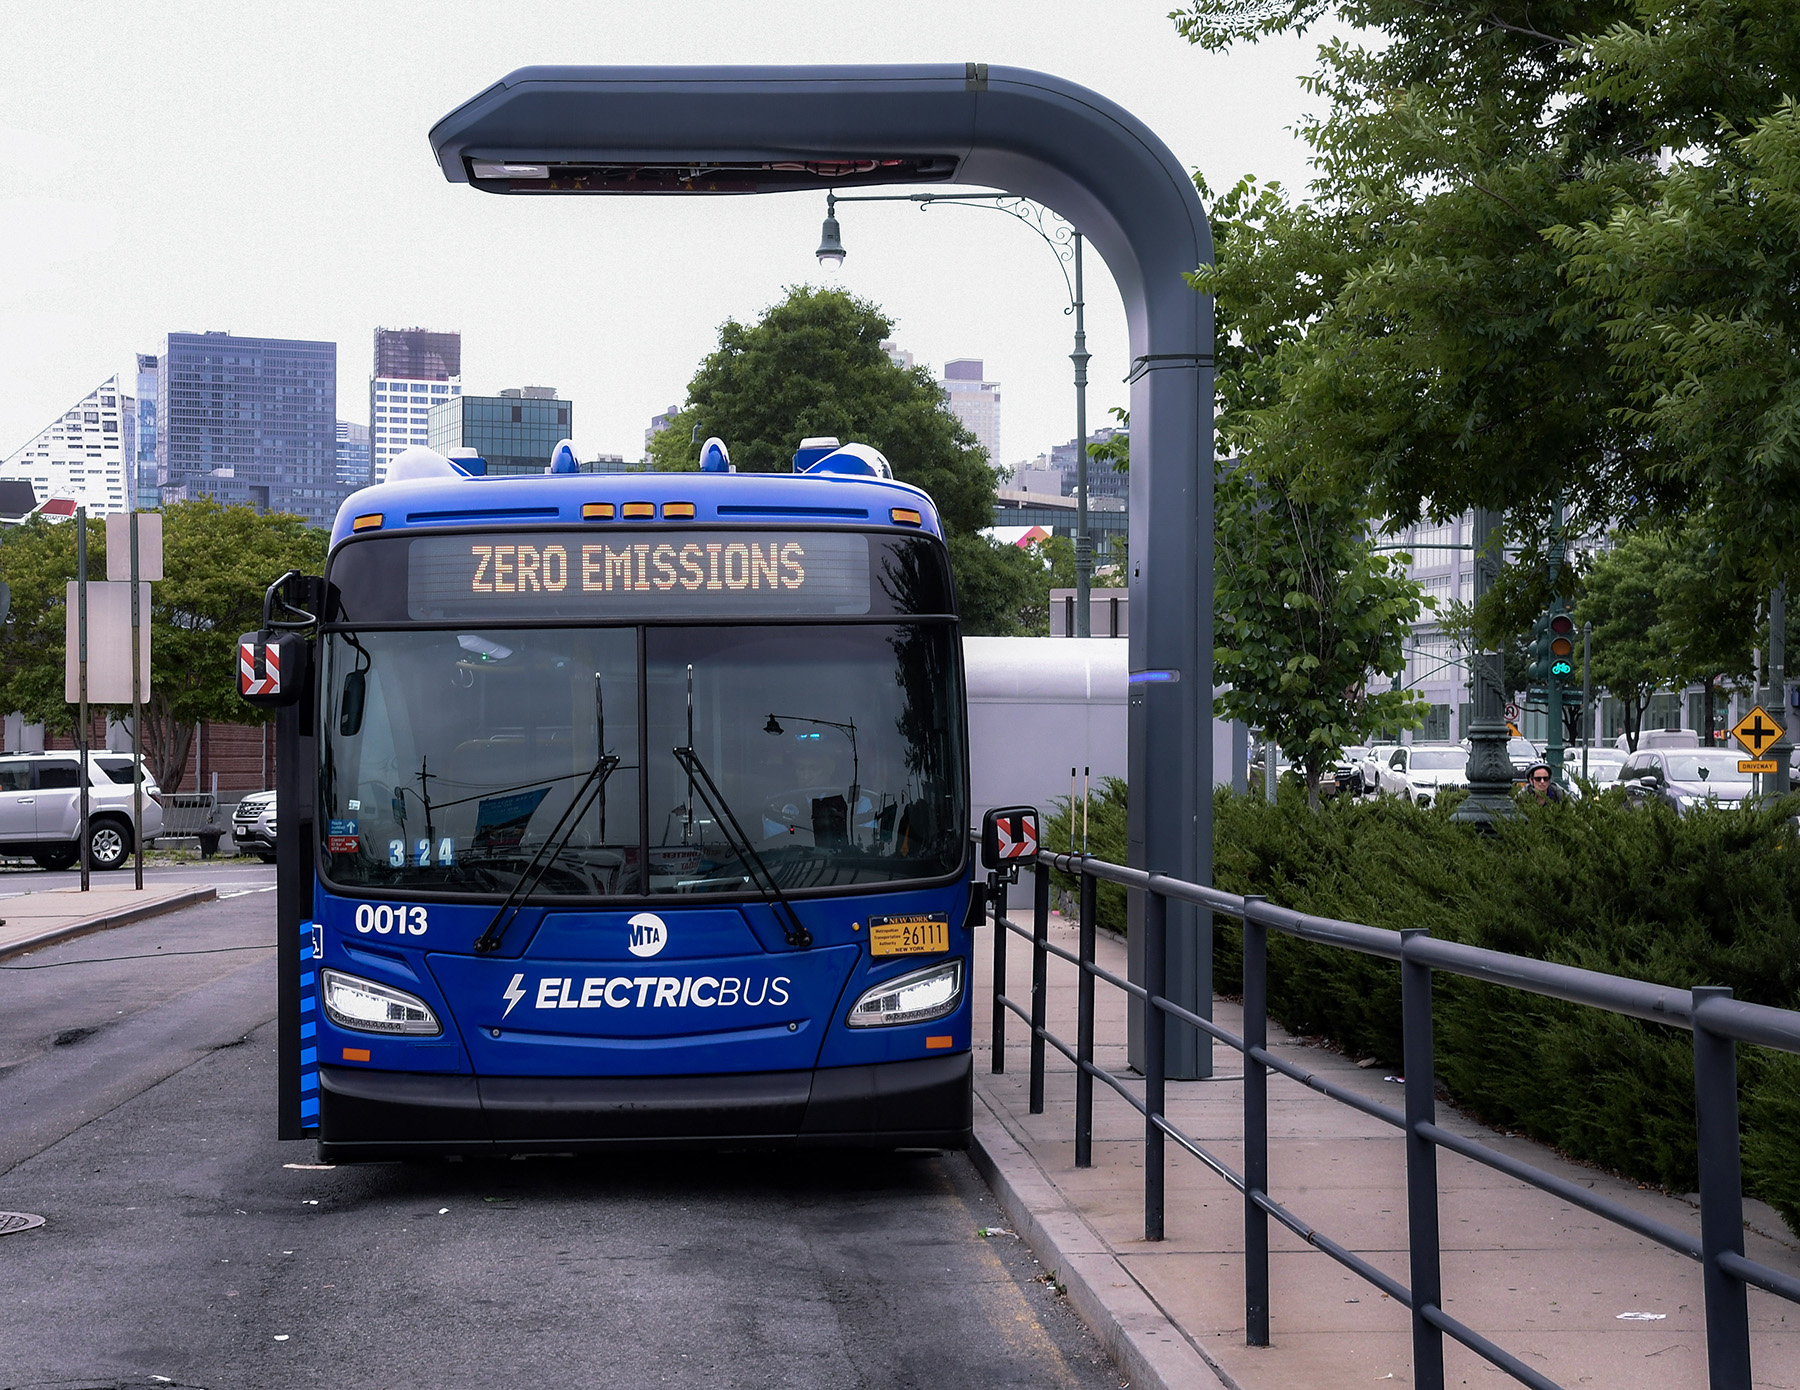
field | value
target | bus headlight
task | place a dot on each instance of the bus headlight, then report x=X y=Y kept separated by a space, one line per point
x=371 y=1008
x=917 y=997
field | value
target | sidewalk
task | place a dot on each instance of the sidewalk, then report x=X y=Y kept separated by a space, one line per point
x=29 y=920
x=1546 y=1281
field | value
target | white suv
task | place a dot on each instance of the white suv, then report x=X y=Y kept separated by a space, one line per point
x=253 y=826
x=40 y=808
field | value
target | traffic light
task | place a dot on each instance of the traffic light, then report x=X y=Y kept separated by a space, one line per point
x=1562 y=645
x=1540 y=649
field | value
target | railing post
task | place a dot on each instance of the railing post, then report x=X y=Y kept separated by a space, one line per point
x=997 y=1063
x=1418 y=1054
x=1156 y=1033
x=1084 y=1025
x=1040 y=967
x=1256 y=1126
x=1721 y=1200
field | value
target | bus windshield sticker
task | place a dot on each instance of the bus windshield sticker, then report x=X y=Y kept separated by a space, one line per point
x=500 y=821
x=911 y=934
x=638 y=574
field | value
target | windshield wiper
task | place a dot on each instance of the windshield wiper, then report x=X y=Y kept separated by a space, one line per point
x=701 y=780
x=595 y=785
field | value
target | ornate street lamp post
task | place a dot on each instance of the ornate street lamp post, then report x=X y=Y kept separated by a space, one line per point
x=1065 y=242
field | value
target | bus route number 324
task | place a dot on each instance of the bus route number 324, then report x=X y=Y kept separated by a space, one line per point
x=383 y=919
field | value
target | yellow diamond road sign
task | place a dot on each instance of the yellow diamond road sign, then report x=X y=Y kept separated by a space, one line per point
x=1757 y=731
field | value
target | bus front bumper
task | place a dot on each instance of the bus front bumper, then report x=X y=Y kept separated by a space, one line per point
x=374 y=1115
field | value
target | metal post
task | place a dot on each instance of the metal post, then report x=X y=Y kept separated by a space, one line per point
x=1553 y=683
x=1587 y=698
x=1776 y=783
x=1271 y=755
x=1256 y=1127
x=1040 y=962
x=1721 y=1199
x=81 y=636
x=997 y=1063
x=137 y=718
x=1419 y=1057
x=1490 y=767
x=1156 y=1032
x=1084 y=545
x=1084 y=1025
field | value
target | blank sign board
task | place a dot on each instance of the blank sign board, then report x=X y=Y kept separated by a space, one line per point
x=109 y=643
x=118 y=545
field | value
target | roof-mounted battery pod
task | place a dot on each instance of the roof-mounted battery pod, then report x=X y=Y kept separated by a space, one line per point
x=812 y=450
x=715 y=457
x=855 y=460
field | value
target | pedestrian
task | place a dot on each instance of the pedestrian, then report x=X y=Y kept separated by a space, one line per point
x=1541 y=785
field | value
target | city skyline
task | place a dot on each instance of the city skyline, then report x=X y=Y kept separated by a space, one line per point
x=303 y=202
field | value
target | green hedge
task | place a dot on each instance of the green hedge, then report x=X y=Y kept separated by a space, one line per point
x=1705 y=900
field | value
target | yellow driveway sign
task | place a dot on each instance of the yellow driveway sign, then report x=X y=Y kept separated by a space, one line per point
x=1757 y=731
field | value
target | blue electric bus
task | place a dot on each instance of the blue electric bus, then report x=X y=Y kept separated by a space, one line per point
x=623 y=810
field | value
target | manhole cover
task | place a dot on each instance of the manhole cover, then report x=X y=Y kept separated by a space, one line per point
x=11 y=1221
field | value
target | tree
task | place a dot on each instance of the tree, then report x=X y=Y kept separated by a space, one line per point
x=219 y=561
x=1409 y=329
x=813 y=365
x=1631 y=655
x=1698 y=285
x=1306 y=610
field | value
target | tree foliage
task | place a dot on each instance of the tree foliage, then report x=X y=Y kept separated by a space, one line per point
x=813 y=365
x=1305 y=611
x=218 y=562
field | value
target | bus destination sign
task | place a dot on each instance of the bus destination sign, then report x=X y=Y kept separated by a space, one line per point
x=554 y=574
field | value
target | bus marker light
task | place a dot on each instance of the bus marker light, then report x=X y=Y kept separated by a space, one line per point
x=643 y=509
x=906 y=516
x=678 y=510
x=356 y=1054
x=370 y=522
x=943 y=1041
x=596 y=511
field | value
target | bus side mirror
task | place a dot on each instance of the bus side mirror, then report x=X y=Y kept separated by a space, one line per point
x=272 y=668
x=1009 y=836
x=350 y=708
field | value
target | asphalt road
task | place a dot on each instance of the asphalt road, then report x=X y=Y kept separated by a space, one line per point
x=185 y=1246
x=22 y=876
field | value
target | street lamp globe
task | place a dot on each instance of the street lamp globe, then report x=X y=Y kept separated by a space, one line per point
x=831 y=244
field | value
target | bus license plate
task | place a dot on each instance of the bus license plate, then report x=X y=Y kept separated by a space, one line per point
x=913 y=935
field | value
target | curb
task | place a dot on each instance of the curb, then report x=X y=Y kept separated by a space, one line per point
x=1144 y=1342
x=123 y=917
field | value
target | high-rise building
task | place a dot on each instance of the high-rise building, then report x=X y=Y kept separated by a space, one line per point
x=149 y=370
x=974 y=401
x=1103 y=479
x=249 y=421
x=415 y=369
x=516 y=431
x=659 y=423
x=898 y=355
x=352 y=455
x=82 y=454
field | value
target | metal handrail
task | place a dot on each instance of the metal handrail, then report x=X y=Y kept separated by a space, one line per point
x=1717 y=1022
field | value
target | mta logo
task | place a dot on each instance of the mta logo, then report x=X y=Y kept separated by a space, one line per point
x=648 y=934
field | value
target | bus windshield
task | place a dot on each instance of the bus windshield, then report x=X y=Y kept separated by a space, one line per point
x=830 y=752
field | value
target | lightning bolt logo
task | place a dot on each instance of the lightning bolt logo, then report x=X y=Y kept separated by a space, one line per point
x=512 y=994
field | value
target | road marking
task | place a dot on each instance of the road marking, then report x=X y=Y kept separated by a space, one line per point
x=244 y=892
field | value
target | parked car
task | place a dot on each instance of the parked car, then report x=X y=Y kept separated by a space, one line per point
x=40 y=808
x=1351 y=775
x=1686 y=779
x=253 y=826
x=1417 y=772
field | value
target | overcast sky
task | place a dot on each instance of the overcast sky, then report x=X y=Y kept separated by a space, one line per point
x=264 y=169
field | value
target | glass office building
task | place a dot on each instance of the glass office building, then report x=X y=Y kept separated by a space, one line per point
x=516 y=431
x=250 y=421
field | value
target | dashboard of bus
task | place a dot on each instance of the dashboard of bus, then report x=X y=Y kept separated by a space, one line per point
x=612 y=727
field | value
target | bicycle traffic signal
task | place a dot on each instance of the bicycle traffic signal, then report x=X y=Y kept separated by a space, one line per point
x=1562 y=645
